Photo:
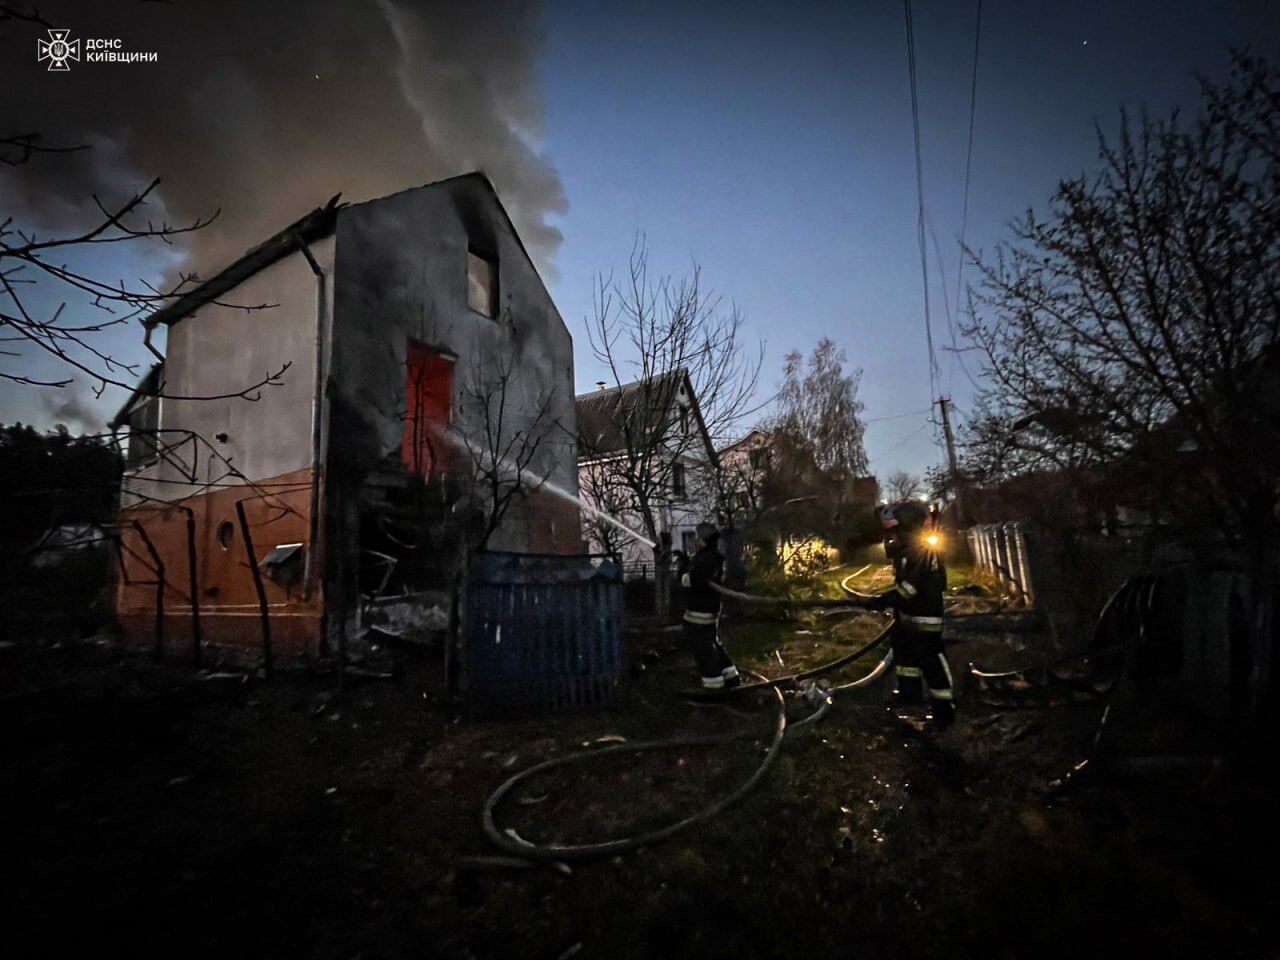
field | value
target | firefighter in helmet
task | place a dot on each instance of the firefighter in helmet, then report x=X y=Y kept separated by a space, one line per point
x=702 y=611
x=920 y=577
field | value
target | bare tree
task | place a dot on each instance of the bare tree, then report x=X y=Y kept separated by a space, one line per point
x=805 y=489
x=76 y=343
x=903 y=486
x=662 y=333
x=73 y=342
x=1132 y=336
x=1137 y=325
x=599 y=485
x=737 y=487
x=509 y=430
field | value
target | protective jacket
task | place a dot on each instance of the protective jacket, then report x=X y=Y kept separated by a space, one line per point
x=702 y=602
x=920 y=578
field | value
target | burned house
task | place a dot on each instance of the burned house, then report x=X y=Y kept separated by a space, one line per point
x=423 y=409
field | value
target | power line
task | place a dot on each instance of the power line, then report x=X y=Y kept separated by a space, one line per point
x=899 y=416
x=956 y=353
x=903 y=441
x=920 y=233
x=968 y=158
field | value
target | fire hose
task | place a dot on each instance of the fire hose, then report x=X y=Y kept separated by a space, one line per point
x=1129 y=603
x=512 y=843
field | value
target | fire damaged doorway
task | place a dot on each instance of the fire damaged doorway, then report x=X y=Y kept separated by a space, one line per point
x=428 y=399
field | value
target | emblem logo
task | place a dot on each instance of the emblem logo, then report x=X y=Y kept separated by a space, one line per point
x=58 y=50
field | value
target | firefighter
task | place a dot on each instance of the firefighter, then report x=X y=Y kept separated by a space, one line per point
x=920 y=577
x=702 y=612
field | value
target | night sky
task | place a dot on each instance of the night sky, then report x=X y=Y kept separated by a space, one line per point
x=771 y=143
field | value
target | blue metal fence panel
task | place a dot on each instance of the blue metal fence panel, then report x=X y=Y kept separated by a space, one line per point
x=543 y=632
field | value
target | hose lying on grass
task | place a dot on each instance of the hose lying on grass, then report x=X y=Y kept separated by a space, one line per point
x=788 y=601
x=844 y=585
x=825 y=668
x=511 y=842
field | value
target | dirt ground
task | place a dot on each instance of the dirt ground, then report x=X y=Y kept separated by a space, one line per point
x=153 y=811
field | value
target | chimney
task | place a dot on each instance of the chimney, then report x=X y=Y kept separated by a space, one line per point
x=599 y=384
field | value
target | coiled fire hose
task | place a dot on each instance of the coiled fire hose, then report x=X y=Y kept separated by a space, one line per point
x=511 y=842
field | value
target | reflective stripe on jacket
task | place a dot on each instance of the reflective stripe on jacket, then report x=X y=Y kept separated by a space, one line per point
x=920 y=578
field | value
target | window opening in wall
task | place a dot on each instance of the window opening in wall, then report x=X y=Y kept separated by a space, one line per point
x=482 y=284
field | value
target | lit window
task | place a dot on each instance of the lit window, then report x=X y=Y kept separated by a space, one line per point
x=482 y=284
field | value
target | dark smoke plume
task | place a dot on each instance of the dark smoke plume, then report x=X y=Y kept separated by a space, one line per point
x=265 y=109
x=72 y=407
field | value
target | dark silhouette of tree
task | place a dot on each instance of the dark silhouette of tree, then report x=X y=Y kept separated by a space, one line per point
x=52 y=478
x=903 y=486
x=1131 y=333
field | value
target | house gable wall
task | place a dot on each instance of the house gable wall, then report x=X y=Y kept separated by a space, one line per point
x=402 y=276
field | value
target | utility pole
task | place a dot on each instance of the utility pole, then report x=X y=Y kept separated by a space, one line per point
x=951 y=447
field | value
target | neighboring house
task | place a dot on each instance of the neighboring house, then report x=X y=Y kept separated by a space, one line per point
x=651 y=433
x=757 y=477
x=391 y=318
x=744 y=469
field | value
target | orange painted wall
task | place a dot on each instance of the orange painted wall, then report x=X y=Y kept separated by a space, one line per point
x=278 y=511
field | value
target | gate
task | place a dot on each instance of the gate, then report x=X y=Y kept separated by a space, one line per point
x=543 y=633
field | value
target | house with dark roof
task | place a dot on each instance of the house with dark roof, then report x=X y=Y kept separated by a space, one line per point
x=644 y=438
x=404 y=340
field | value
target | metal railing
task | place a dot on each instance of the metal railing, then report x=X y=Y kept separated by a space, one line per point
x=1001 y=548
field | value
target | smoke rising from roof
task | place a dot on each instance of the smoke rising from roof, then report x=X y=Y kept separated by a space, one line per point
x=73 y=407
x=264 y=110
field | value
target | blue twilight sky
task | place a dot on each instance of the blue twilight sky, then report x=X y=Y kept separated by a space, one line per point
x=771 y=143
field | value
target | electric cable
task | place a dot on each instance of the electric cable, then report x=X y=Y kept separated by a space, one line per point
x=899 y=416
x=934 y=379
x=909 y=436
x=968 y=157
